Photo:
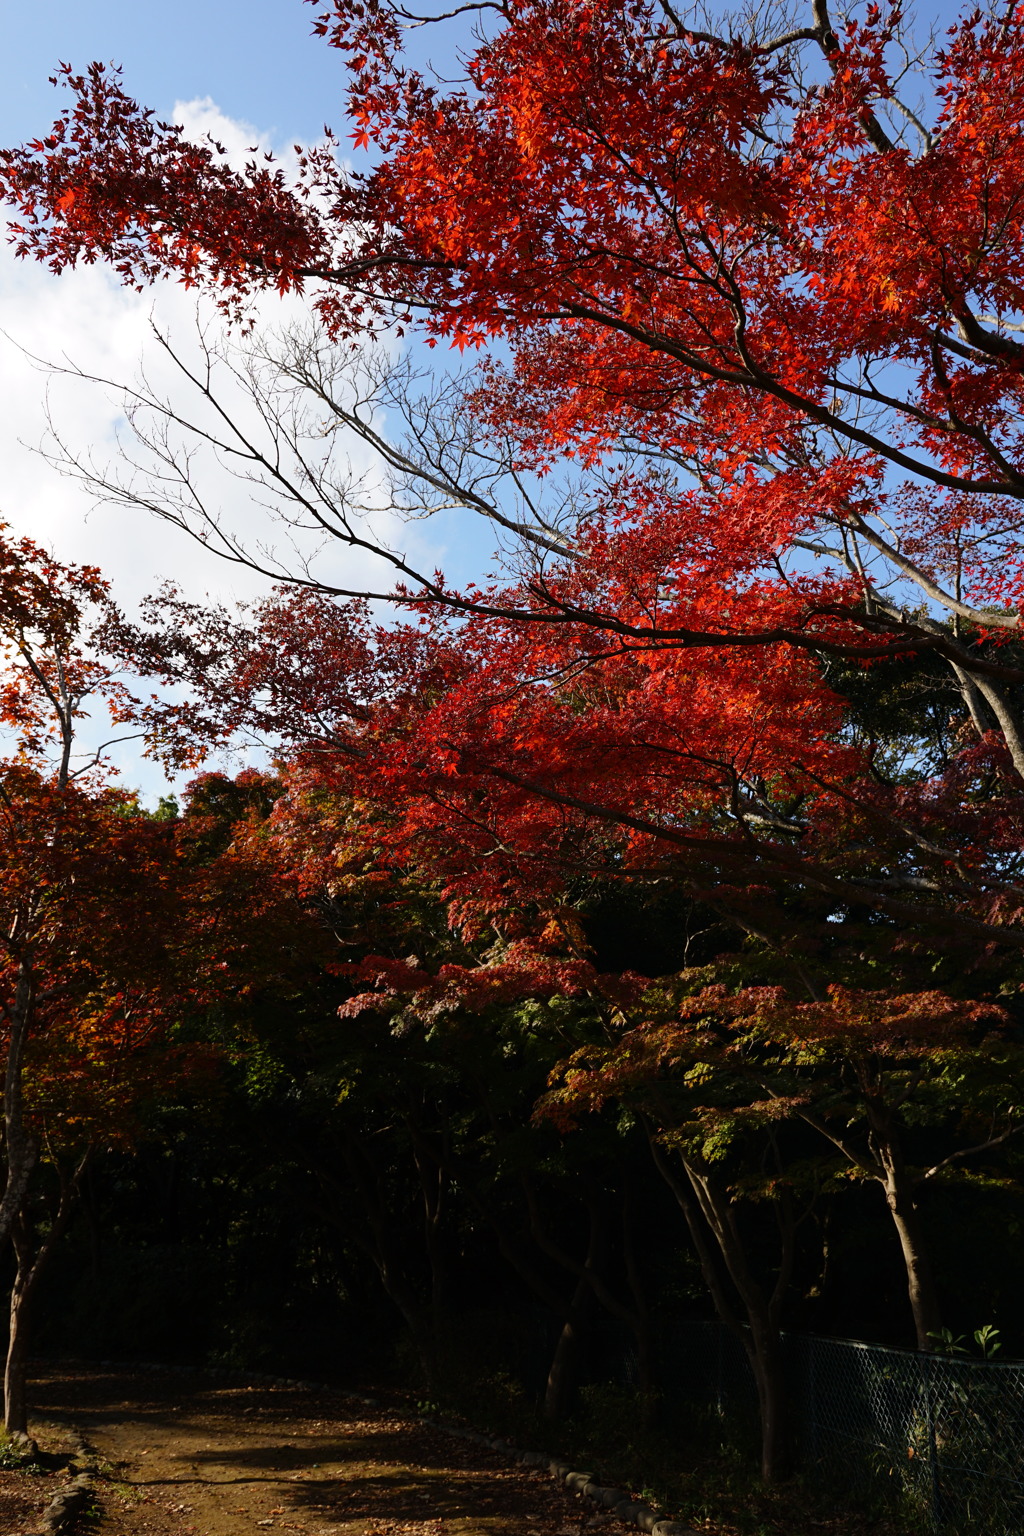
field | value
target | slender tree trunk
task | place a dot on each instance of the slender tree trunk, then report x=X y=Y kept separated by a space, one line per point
x=900 y=1189
x=387 y=1252
x=384 y=1251
x=764 y=1351
x=708 y=1211
x=417 y=1319
x=882 y=1160
x=563 y=1373
x=563 y=1376
x=924 y=1302
x=22 y=1147
x=32 y=1263
x=640 y=1312
x=762 y=1338
x=386 y=1244
x=590 y=1276
x=1009 y=725
x=433 y=1179
x=15 y=1403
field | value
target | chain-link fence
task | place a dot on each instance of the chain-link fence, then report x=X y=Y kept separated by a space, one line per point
x=939 y=1435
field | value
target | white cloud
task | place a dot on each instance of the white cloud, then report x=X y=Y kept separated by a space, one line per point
x=202 y=120
x=83 y=317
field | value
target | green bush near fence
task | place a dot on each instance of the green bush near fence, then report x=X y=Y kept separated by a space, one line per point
x=941 y=1438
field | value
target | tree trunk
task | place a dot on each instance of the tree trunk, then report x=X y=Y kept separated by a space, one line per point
x=563 y=1374
x=22 y=1147
x=640 y=1312
x=433 y=1179
x=899 y=1188
x=589 y=1287
x=594 y=1286
x=385 y=1241
x=764 y=1351
x=31 y=1265
x=418 y=1318
x=15 y=1402
x=883 y=1161
x=761 y=1338
x=711 y=1213
x=924 y=1303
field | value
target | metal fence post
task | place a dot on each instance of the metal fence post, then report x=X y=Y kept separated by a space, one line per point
x=812 y=1397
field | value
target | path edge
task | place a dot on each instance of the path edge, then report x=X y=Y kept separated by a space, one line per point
x=633 y=1512
x=64 y=1508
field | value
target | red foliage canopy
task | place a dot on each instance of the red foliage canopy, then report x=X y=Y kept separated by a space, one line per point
x=773 y=311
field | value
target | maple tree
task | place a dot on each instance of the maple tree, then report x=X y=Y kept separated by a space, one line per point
x=149 y=925
x=66 y=986
x=65 y=844
x=697 y=1105
x=110 y=962
x=624 y=768
x=112 y=926
x=50 y=822
x=711 y=1068
x=411 y=1099
x=866 y=1069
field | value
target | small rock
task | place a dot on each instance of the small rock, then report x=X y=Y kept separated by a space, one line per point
x=609 y=1497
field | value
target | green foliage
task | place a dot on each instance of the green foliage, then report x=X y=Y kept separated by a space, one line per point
x=16 y=1456
x=986 y=1339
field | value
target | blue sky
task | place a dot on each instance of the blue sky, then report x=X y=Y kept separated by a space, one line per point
x=256 y=59
x=245 y=70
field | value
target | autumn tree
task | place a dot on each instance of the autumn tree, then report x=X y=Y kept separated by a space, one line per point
x=405 y=1111
x=870 y=1071
x=117 y=966
x=111 y=930
x=715 y=1071
x=717 y=1148
x=52 y=826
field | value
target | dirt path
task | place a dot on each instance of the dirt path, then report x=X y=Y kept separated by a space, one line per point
x=191 y=1456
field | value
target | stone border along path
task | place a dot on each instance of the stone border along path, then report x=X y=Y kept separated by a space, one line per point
x=624 y=1508
x=631 y=1511
x=66 y=1505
